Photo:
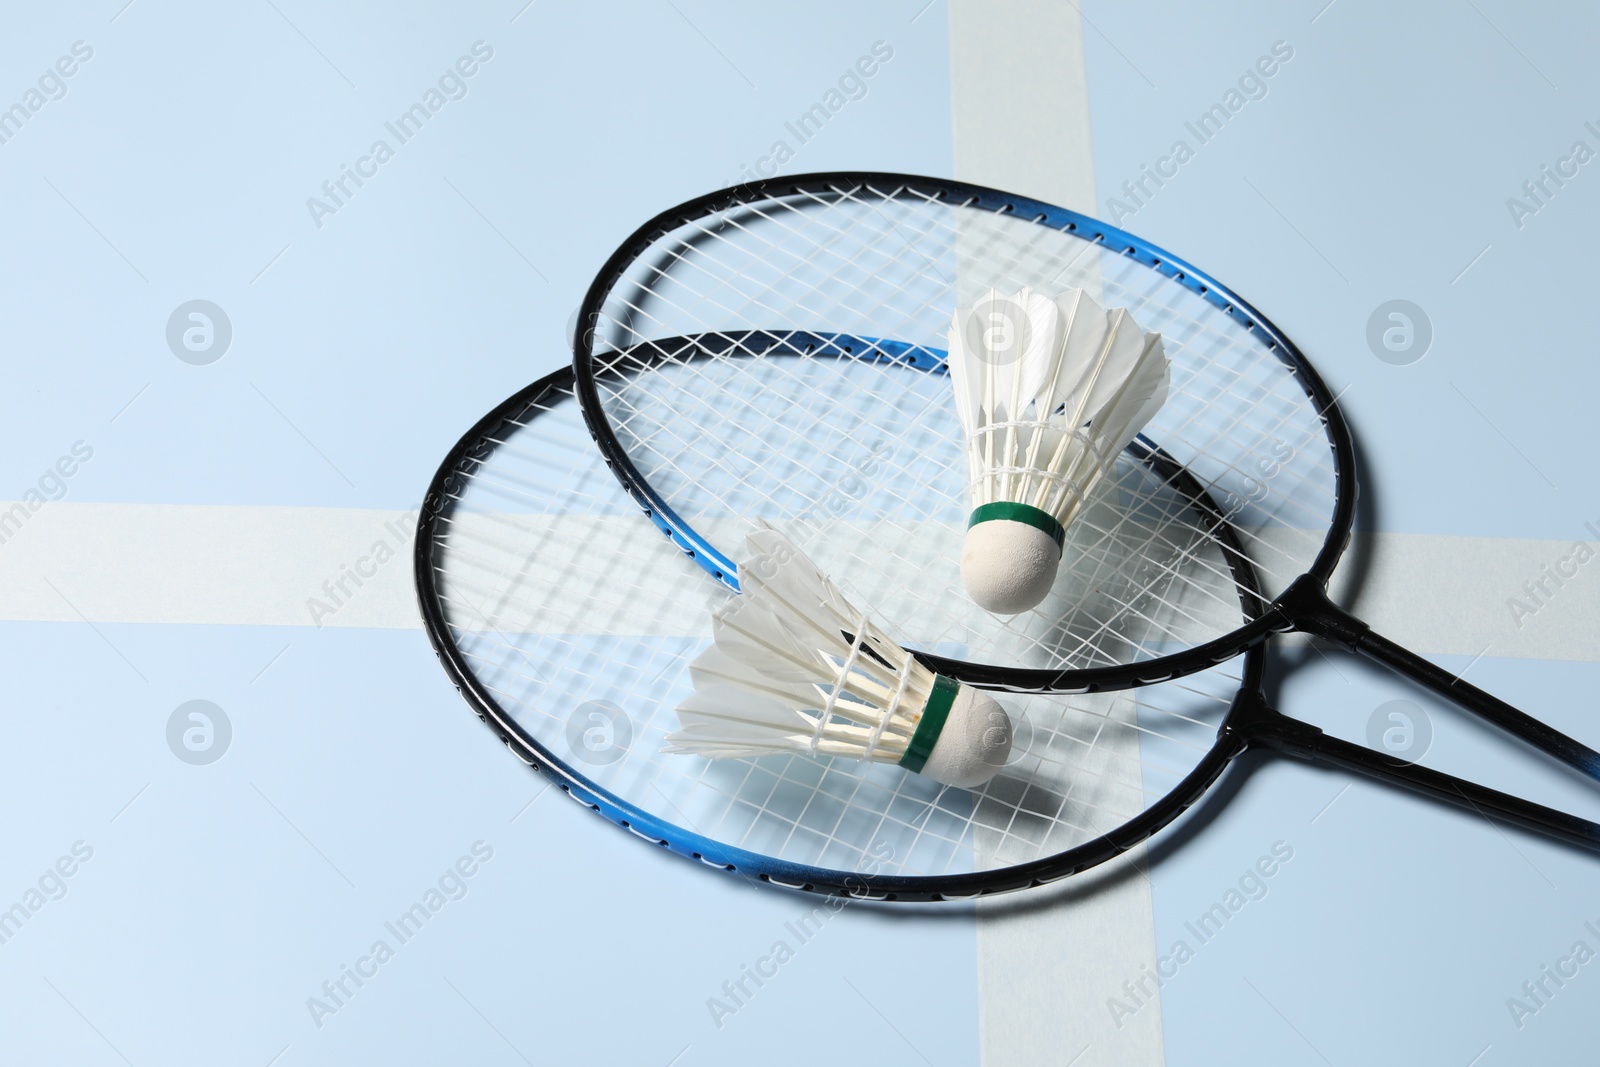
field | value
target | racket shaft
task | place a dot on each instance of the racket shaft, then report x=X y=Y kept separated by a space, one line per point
x=1308 y=608
x=1540 y=735
x=1487 y=802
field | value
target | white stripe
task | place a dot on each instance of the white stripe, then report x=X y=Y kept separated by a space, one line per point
x=1020 y=100
x=1020 y=113
x=1440 y=594
x=249 y=566
x=259 y=566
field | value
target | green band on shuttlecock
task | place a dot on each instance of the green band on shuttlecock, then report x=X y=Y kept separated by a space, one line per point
x=931 y=725
x=1025 y=513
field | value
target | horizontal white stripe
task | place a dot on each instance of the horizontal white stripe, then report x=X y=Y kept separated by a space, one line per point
x=153 y=563
x=1444 y=595
x=262 y=566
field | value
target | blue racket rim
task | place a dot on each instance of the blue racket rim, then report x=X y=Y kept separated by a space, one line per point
x=445 y=491
x=1100 y=678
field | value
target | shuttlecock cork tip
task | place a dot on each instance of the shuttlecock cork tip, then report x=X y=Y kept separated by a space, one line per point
x=1009 y=557
x=973 y=743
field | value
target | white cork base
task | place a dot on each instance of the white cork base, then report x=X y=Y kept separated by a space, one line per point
x=975 y=741
x=1008 y=566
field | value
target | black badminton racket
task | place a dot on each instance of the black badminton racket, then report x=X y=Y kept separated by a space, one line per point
x=707 y=366
x=569 y=629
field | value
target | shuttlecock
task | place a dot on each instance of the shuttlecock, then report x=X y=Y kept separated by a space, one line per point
x=794 y=667
x=1049 y=392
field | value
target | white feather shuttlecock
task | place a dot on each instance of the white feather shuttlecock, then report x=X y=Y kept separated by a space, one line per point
x=795 y=668
x=1049 y=391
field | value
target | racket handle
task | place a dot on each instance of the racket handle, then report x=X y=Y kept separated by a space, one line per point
x=1309 y=610
x=1489 y=803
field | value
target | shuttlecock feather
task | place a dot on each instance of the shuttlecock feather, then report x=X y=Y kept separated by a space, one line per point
x=795 y=668
x=1049 y=392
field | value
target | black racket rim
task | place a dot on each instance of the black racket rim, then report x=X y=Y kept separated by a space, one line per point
x=991 y=676
x=439 y=503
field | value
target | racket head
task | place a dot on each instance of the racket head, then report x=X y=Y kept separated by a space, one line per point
x=549 y=602
x=720 y=310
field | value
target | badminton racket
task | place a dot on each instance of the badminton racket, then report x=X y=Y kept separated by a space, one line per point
x=707 y=364
x=569 y=629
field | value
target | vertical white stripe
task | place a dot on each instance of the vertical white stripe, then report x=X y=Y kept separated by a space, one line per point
x=1020 y=99
x=1047 y=960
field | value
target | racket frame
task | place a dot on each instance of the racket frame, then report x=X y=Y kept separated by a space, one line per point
x=1278 y=618
x=1249 y=723
x=444 y=491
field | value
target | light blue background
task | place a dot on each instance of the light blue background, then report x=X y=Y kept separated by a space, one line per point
x=178 y=166
x=1390 y=142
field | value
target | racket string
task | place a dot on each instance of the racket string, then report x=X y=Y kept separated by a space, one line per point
x=523 y=594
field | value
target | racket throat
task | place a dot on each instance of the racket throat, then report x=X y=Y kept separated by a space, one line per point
x=1257 y=724
x=1306 y=608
